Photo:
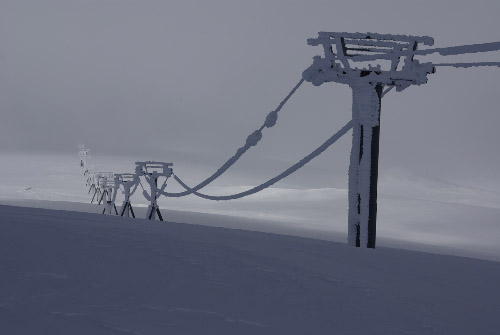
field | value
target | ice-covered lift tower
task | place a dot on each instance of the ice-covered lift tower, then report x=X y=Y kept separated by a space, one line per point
x=84 y=155
x=371 y=64
x=107 y=186
x=129 y=182
x=152 y=172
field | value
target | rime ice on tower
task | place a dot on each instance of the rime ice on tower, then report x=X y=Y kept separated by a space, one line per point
x=396 y=68
x=129 y=182
x=152 y=172
x=106 y=187
x=90 y=175
x=93 y=181
x=84 y=156
x=98 y=185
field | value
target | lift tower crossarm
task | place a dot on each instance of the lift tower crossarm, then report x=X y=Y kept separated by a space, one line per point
x=447 y=51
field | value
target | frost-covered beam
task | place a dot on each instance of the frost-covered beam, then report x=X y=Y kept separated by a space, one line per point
x=326 y=37
x=377 y=43
x=448 y=51
x=465 y=65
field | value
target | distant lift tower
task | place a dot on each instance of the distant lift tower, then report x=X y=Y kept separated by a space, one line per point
x=90 y=176
x=395 y=67
x=129 y=182
x=106 y=185
x=84 y=156
x=93 y=181
x=97 y=185
x=367 y=83
x=152 y=172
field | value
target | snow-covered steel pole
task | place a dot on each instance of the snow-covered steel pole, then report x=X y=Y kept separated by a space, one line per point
x=367 y=84
x=125 y=209
x=363 y=169
x=341 y=52
x=84 y=155
x=126 y=206
x=153 y=205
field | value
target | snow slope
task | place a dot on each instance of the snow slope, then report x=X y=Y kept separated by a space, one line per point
x=415 y=211
x=78 y=273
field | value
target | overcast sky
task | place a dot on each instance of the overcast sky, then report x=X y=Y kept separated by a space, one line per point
x=178 y=80
x=187 y=81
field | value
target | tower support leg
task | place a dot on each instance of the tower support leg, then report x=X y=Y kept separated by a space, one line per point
x=363 y=169
x=151 y=212
x=159 y=213
x=125 y=209
x=95 y=193
x=131 y=210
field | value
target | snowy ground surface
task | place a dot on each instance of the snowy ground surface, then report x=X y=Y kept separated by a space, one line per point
x=78 y=273
x=415 y=211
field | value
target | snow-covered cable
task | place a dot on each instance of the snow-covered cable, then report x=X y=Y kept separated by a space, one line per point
x=143 y=190
x=251 y=141
x=272 y=181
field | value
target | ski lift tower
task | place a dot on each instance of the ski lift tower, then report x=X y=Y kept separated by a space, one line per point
x=107 y=185
x=90 y=170
x=97 y=182
x=129 y=182
x=152 y=171
x=345 y=62
x=84 y=155
x=94 y=185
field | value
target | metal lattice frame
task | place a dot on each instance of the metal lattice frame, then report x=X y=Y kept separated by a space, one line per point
x=152 y=171
x=129 y=182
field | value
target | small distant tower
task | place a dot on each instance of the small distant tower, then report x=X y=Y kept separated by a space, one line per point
x=106 y=185
x=93 y=181
x=152 y=171
x=84 y=156
x=129 y=182
x=395 y=67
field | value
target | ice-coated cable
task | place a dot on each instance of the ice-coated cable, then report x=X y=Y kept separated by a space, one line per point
x=274 y=180
x=133 y=191
x=387 y=90
x=141 y=186
x=251 y=141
